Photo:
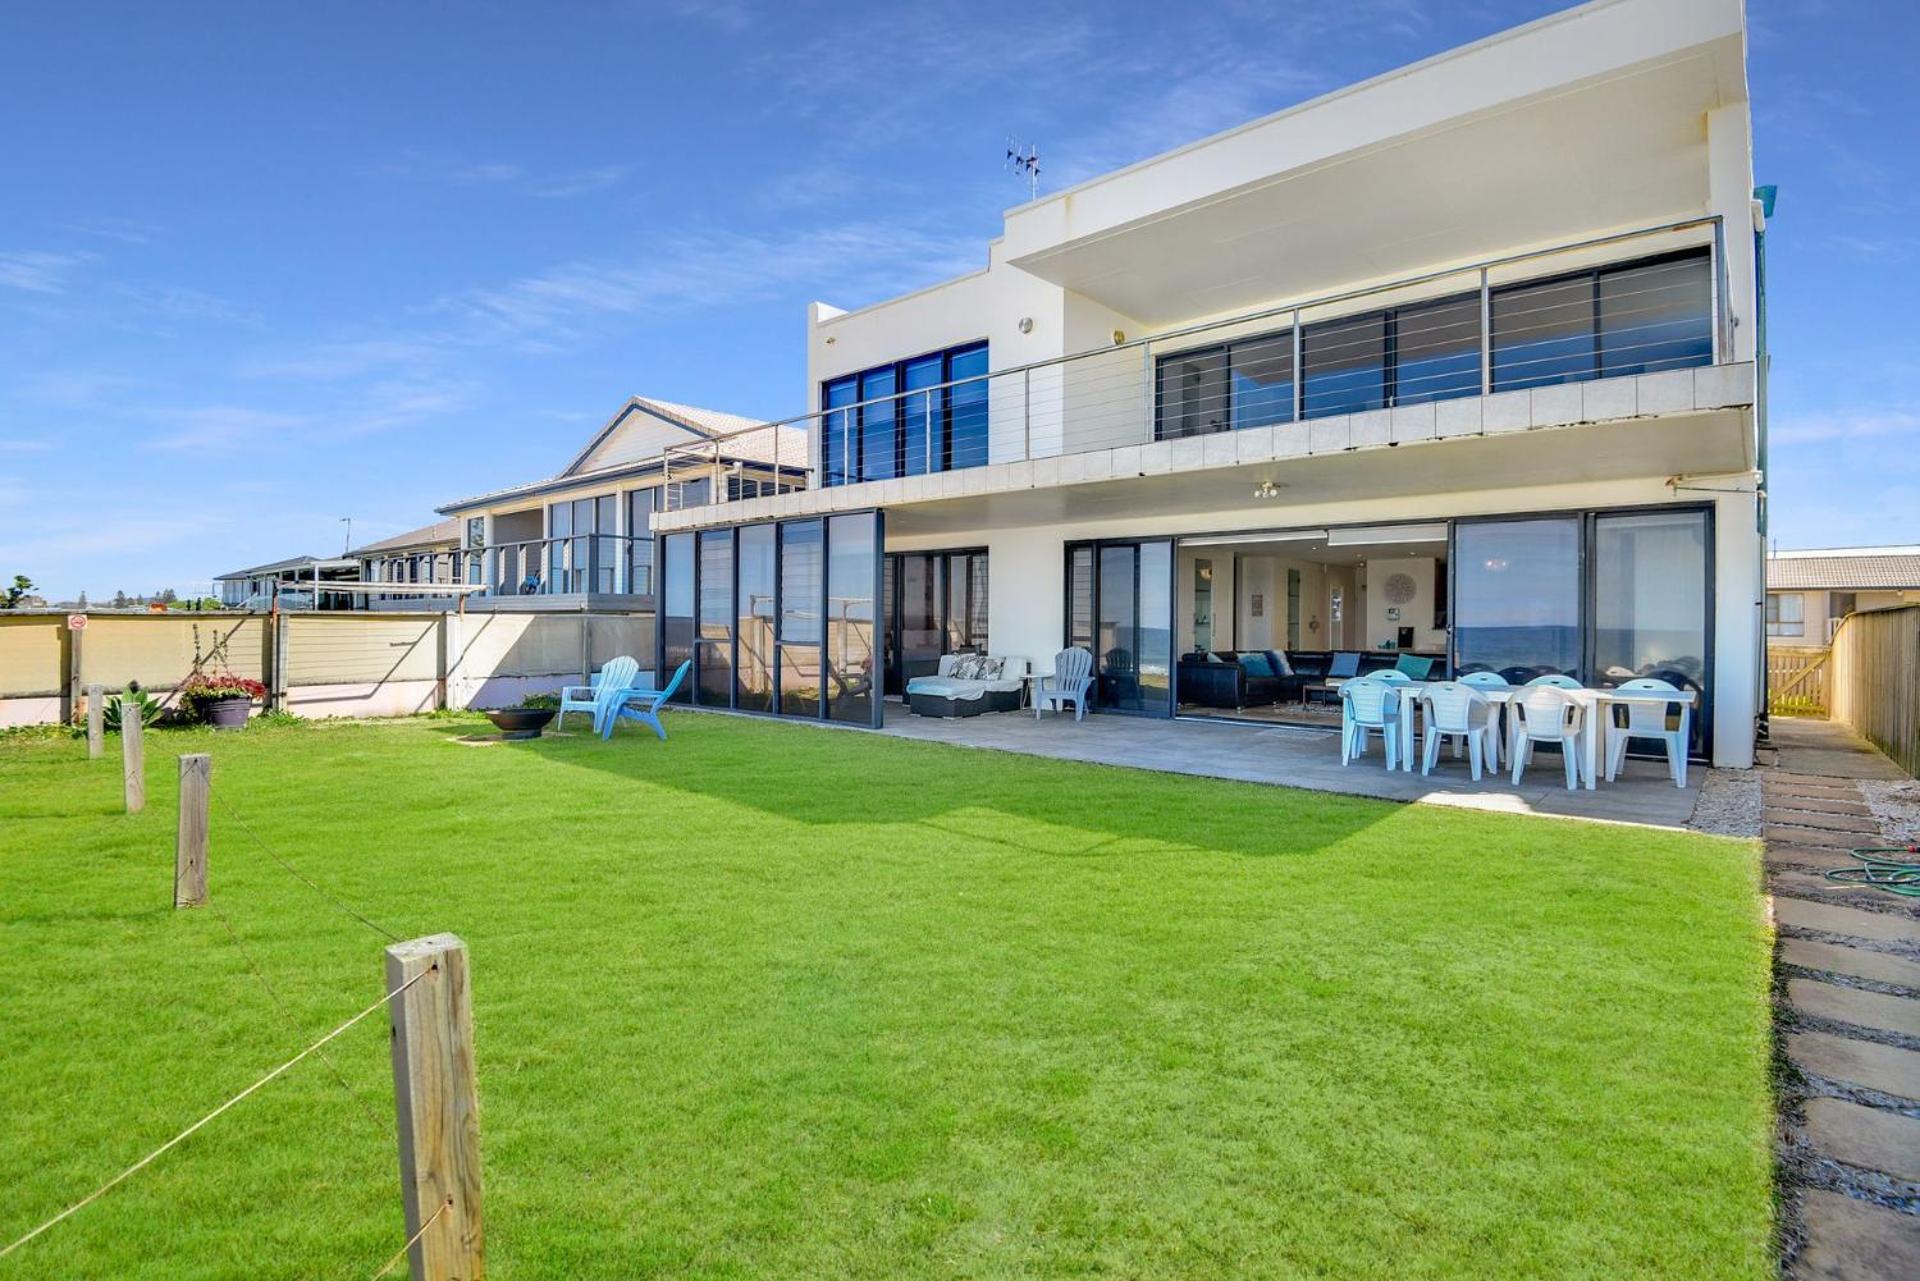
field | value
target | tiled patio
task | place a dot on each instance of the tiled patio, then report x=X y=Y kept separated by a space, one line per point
x=1309 y=758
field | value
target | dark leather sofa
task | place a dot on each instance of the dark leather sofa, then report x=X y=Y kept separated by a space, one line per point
x=1221 y=680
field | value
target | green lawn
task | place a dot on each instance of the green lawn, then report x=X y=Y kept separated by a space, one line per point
x=774 y=1001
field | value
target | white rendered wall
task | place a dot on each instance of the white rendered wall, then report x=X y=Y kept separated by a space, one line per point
x=1027 y=594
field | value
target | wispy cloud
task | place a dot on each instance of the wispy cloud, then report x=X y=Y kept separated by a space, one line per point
x=733 y=16
x=24 y=446
x=858 y=261
x=1858 y=424
x=584 y=183
x=40 y=271
x=506 y=176
x=124 y=230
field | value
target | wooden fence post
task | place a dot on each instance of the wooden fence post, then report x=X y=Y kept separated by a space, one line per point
x=436 y=1103
x=96 y=722
x=133 y=756
x=190 y=840
x=74 y=659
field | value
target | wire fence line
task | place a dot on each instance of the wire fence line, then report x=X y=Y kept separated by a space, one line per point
x=228 y=812
x=187 y=1133
x=402 y=1252
x=259 y=972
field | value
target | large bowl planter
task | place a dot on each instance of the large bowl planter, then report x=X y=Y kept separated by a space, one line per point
x=521 y=722
x=227 y=713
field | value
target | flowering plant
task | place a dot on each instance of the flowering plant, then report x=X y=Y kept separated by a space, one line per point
x=203 y=688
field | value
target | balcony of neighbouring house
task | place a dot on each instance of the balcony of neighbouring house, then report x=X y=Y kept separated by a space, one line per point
x=1608 y=357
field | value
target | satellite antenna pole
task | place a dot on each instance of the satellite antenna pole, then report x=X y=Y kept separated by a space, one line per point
x=348 y=522
x=1024 y=161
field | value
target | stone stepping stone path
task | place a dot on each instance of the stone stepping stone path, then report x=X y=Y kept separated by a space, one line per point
x=1849 y=961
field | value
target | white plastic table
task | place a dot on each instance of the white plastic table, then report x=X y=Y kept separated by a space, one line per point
x=1596 y=702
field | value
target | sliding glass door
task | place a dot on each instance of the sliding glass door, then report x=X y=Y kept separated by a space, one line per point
x=1120 y=605
x=936 y=603
x=1604 y=597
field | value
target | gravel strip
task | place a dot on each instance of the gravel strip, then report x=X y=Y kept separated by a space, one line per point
x=1897 y=806
x=1730 y=803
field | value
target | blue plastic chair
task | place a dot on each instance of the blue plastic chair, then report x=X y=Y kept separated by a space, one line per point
x=585 y=698
x=641 y=705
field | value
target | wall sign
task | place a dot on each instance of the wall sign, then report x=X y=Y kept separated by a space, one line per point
x=1259 y=605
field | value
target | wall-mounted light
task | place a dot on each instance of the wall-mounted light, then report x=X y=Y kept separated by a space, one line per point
x=1266 y=489
x=1119 y=336
x=1026 y=324
x=831 y=340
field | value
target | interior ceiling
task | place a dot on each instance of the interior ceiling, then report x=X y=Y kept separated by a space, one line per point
x=1709 y=443
x=1317 y=552
x=1620 y=153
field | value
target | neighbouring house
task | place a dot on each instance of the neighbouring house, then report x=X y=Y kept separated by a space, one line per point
x=1455 y=366
x=1809 y=592
x=583 y=536
x=298 y=582
x=419 y=557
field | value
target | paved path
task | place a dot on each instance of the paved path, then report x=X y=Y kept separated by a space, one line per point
x=1849 y=985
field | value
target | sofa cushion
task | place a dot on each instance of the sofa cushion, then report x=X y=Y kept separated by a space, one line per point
x=1281 y=667
x=1256 y=665
x=966 y=667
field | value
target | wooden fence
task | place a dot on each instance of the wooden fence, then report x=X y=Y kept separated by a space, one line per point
x=358 y=663
x=1796 y=681
x=1873 y=687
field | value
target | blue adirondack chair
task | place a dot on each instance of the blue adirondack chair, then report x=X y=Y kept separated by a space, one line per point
x=584 y=698
x=641 y=705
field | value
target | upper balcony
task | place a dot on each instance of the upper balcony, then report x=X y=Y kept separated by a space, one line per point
x=1623 y=335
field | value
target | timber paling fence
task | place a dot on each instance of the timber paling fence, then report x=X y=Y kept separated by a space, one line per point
x=1797 y=681
x=1874 y=687
x=427 y=992
x=349 y=663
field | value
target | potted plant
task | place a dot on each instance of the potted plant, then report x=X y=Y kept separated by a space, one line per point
x=223 y=700
x=528 y=718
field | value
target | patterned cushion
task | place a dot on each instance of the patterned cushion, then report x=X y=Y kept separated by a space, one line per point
x=990 y=668
x=967 y=668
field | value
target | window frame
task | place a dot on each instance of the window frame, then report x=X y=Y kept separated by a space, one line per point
x=845 y=419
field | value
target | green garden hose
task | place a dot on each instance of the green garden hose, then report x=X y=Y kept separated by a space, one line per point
x=1894 y=875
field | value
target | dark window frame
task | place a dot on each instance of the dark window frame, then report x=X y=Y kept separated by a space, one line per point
x=851 y=458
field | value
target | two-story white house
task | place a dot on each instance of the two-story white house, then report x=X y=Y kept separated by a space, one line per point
x=1457 y=365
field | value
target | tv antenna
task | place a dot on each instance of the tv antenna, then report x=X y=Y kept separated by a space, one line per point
x=1024 y=161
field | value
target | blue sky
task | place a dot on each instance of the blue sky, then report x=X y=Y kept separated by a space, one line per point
x=266 y=265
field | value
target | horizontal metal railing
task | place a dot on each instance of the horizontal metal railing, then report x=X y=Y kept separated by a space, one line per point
x=576 y=563
x=1515 y=321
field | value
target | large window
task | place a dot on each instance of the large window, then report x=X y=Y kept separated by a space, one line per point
x=853 y=586
x=801 y=584
x=714 y=667
x=1650 y=600
x=640 y=508
x=1637 y=318
x=1633 y=318
x=1120 y=604
x=582 y=555
x=1786 y=614
x=1517 y=597
x=676 y=611
x=755 y=604
x=935 y=603
x=901 y=420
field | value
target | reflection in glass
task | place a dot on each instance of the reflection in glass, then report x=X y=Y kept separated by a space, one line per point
x=1080 y=598
x=715 y=667
x=676 y=621
x=1154 y=634
x=852 y=552
x=1346 y=365
x=1437 y=350
x=755 y=605
x=1517 y=605
x=967 y=407
x=1193 y=394
x=1262 y=375
x=801 y=584
x=1656 y=317
x=1650 y=601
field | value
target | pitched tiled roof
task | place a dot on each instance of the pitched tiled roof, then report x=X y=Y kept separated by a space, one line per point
x=442 y=531
x=1845 y=569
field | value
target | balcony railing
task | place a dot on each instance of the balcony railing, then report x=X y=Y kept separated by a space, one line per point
x=1635 y=302
x=602 y=564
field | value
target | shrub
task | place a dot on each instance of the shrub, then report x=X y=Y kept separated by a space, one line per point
x=113 y=715
x=541 y=702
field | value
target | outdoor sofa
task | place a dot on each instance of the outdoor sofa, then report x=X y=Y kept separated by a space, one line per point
x=968 y=685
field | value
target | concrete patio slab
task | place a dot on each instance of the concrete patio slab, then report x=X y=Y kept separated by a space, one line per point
x=1852 y=922
x=1841 y=1058
x=1850 y=1240
x=1821 y=749
x=1855 y=824
x=1856 y=961
x=1789 y=801
x=1308 y=758
x=1856 y=1006
x=1870 y=1138
x=1795 y=835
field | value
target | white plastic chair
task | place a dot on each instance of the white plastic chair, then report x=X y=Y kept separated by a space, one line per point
x=1554 y=680
x=1072 y=678
x=1390 y=675
x=1546 y=715
x=1491 y=680
x=1369 y=706
x=1458 y=711
x=1649 y=720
